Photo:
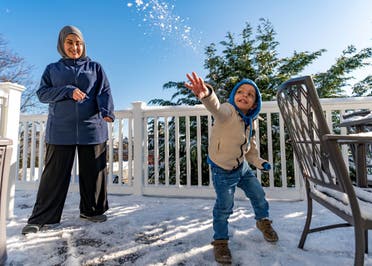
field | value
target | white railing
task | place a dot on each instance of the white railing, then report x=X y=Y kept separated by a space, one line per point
x=10 y=94
x=160 y=151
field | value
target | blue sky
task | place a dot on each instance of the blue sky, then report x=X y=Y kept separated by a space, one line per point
x=140 y=52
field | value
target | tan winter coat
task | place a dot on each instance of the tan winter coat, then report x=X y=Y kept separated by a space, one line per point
x=228 y=144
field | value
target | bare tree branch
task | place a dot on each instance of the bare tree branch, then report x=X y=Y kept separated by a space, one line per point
x=14 y=68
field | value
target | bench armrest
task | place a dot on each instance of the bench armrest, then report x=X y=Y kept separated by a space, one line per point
x=349 y=139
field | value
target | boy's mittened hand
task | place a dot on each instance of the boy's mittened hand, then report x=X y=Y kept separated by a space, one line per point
x=266 y=166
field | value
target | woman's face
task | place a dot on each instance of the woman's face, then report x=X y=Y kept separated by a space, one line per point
x=73 y=46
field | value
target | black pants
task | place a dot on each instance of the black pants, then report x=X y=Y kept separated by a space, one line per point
x=55 y=181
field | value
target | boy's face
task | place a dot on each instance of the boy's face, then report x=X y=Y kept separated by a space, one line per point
x=245 y=98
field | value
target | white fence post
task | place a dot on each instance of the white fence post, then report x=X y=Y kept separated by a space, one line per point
x=138 y=146
x=10 y=111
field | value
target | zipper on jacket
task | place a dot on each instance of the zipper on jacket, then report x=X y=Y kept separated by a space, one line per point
x=76 y=106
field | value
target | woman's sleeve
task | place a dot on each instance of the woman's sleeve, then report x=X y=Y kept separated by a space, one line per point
x=49 y=94
x=104 y=97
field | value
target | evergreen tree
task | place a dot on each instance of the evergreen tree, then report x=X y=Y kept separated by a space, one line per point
x=256 y=57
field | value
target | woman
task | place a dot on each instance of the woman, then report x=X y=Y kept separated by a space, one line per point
x=80 y=105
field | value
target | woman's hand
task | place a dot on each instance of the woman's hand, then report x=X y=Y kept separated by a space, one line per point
x=197 y=85
x=107 y=119
x=78 y=95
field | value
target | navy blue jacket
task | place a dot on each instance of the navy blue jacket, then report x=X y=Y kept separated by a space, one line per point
x=70 y=122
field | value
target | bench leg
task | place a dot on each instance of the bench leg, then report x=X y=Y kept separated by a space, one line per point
x=366 y=241
x=359 y=245
x=306 y=229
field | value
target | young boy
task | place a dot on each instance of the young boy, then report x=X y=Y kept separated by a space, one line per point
x=232 y=145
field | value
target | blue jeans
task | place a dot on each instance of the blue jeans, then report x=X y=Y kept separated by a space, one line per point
x=225 y=182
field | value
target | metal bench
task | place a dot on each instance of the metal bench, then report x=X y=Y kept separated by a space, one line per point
x=325 y=174
x=357 y=122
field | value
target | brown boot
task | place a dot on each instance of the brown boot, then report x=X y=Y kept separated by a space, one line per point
x=222 y=252
x=268 y=232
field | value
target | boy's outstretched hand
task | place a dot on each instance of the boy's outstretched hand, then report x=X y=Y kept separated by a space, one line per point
x=197 y=85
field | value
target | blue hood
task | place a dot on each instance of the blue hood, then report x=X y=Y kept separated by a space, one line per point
x=252 y=114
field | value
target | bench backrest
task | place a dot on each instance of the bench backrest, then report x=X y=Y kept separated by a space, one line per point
x=321 y=163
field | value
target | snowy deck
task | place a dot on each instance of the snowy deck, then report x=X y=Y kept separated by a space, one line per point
x=173 y=231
